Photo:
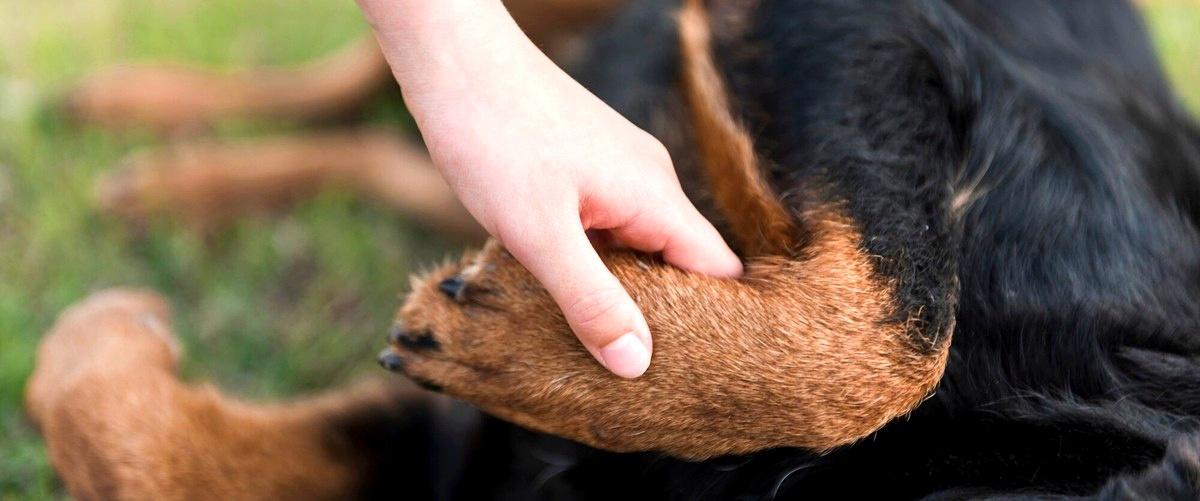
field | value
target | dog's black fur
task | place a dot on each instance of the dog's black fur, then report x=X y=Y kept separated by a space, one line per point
x=1022 y=171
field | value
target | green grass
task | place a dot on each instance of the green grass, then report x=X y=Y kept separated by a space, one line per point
x=1175 y=26
x=270 y=307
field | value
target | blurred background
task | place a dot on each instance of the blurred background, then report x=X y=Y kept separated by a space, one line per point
x=268 y=307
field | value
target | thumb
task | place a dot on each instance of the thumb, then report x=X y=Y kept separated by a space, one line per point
x=599 y=311
x=695 y=245
x=685 y=238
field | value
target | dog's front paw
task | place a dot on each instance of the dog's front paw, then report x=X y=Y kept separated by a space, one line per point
x=484 y=330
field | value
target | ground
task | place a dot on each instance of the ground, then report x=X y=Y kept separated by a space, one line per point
x=268 y=308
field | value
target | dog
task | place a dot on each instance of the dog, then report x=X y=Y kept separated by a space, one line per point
x=973 y=271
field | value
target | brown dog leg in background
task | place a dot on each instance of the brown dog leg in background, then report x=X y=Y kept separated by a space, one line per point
x=209 y=184
x=119 y=424
x=180 y=99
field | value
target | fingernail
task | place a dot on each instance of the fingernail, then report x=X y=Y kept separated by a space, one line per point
x=627 y=357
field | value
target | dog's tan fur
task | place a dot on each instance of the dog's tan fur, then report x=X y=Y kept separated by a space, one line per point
x=209 y=184
x=726 y=150
x=120 y=425
x=179 y=99
x=798 y=353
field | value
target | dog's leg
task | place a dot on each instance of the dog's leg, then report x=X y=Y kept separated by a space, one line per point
x=120 y=425
x=820 y=344
x=760 y=222
x=802 y=353
x=174 y=98
x=209 y=184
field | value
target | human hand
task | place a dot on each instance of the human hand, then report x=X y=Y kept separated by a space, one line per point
x=540 y=162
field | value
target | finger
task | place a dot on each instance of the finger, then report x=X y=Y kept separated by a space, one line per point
x=598 y=309
x=696 y=245
x=685 y=238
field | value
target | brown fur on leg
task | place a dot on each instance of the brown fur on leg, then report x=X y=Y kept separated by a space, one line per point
x=120 y=425
x=759 y=221
x=172 y=98
x=799 y=353
x=210 y=184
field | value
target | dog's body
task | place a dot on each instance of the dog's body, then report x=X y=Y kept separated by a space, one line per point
x=1014 y=176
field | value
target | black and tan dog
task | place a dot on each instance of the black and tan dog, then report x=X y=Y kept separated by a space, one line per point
x=971 y=229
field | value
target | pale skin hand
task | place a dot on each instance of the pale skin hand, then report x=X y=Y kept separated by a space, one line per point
x=538 y=160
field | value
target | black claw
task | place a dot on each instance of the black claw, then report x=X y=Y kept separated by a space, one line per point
x=419 y=341
x=454 y=288
x=390 y=361
x=416 y=341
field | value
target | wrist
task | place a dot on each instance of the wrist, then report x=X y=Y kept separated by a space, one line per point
x=422 y=17
x=447 y=54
